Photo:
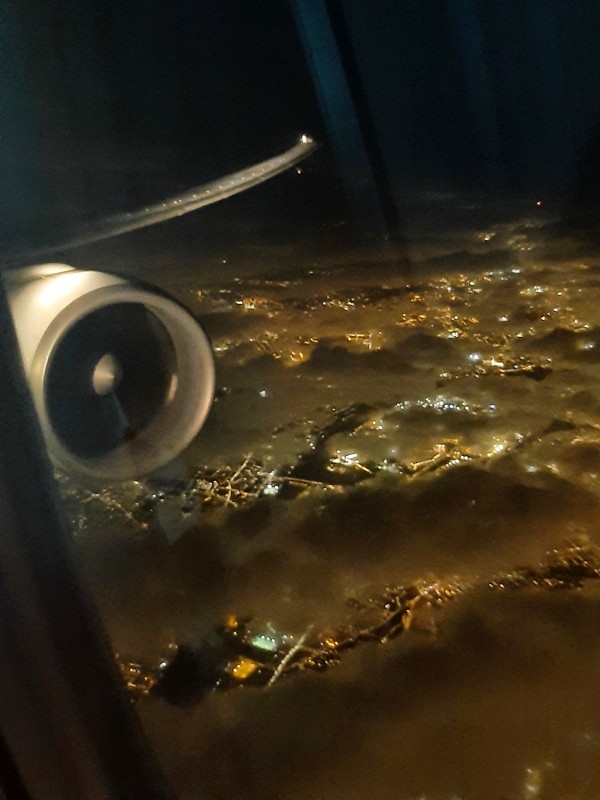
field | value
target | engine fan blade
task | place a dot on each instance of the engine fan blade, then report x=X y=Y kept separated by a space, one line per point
x=91 y=416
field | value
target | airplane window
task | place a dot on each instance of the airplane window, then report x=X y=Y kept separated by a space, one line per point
x=308 y=298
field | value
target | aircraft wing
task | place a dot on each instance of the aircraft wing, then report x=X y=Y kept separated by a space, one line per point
x=184 y=203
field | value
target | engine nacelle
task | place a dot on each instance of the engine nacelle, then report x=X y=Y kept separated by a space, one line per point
x=122 y=376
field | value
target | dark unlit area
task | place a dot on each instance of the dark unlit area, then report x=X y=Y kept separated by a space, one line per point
x=497 y=702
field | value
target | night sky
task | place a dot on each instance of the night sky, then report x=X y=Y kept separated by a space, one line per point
x=104 y=107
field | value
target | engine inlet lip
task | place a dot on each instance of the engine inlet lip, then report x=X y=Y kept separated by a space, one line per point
x=175 y=425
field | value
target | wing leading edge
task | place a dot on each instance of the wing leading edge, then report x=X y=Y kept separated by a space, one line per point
x=188 y=201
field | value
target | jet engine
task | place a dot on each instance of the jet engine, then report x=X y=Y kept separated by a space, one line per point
x=122 y=375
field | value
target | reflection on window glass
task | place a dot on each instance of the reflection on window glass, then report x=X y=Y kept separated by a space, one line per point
x=373 y=573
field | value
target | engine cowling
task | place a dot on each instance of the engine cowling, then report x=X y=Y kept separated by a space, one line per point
x=122 y=375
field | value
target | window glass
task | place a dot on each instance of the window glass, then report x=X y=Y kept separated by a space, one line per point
x=373 y=573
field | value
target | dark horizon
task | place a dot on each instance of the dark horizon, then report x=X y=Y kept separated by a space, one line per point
x=105 y=108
